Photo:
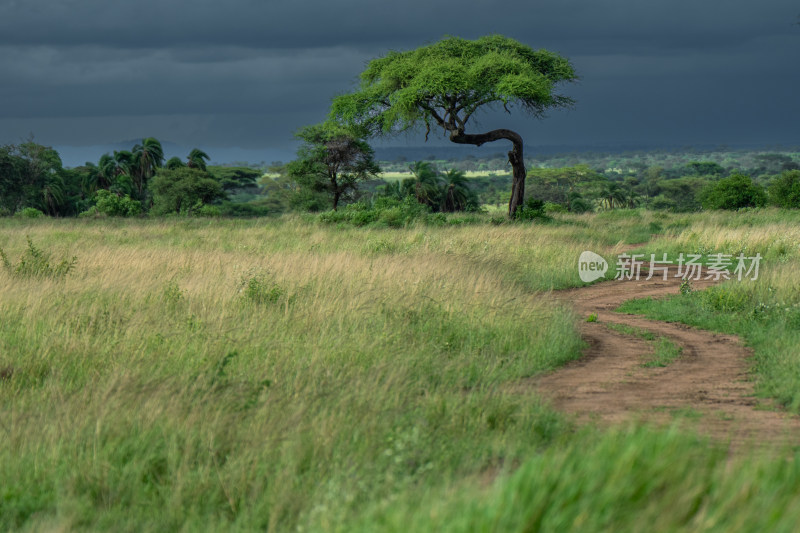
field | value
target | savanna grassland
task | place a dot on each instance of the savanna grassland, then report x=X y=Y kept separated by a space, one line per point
x=287 y=374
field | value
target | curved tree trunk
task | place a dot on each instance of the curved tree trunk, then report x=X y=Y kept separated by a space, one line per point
x=515 y=157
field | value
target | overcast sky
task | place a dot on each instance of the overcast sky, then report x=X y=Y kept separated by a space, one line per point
x=248 y=73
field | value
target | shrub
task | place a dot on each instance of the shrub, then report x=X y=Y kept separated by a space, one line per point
x=259 y=288
x=385 y=211
x=551 y=207
x=29 y=212
x=113 y=205
x=663 y=203
x=734 y=192
x=35 y=263
x=172 y=294
x=208 y=211
x=533 y=209
x=785 y=190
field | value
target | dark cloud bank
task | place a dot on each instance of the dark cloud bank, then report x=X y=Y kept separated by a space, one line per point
x=247 y=73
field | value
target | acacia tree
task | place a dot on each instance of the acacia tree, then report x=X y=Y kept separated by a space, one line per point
x=333 y=160
x=446 y=83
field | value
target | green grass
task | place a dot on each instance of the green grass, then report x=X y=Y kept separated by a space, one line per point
x=270 y=374
x=665 y=353
x=284 y=374
x=625 y=480
x=765 y=313
x=664 y=350
x=632 y=331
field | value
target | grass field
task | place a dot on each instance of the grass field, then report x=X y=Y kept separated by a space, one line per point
x=283 y=374
x=401 y=175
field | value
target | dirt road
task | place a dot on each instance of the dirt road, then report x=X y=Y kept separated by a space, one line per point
x=706 y=387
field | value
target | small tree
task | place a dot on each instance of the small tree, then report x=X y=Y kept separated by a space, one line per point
x=734 y=192
x=785 y=190
x=445 y=84
x=182 y=190
x=333 y=160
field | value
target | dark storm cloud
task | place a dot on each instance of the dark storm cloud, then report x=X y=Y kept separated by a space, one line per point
x=248 y=73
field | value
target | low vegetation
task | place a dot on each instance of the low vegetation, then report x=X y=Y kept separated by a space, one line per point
x=304 y=374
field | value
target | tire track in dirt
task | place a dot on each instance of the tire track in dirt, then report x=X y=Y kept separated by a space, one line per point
x=707 y=386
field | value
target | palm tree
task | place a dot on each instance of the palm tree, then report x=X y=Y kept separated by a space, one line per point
x=107 y=170
x=426 y=184
x=612 y=195
x=123 y=162
x=147 y=157
x=456 y=194
x=52 y=194
x=197 y=159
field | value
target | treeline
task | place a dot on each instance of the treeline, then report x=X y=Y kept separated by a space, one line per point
x=694 y=186
x=33 y=182
x=334 y=168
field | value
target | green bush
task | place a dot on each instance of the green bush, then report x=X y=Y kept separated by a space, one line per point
x=734 y=192
x=35 y=263
x=113 y=205
x=183 y=190
x=260 y=289
x=385 y=211
x=785 y=190
x=533 y=209
x=29 y=212
x=208 y=211
x=551 y=207
x=663 y=203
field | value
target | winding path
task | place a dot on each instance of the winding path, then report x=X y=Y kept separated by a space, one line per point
x=707 y=386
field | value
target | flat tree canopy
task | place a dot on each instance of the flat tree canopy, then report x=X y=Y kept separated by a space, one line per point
x=444 y=84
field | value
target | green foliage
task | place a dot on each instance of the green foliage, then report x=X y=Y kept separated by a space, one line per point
x=784 y=191
x=686 y=287
x=664 y=353
x=145 y=159
x=29 y=212
x=734 y=192
x=35 y=263
x=113 y=205
x=333 y=161
x=705 y=168
x=532 y=210
x=172 y=294
x=232 y=178
x=401 y=89
x=197 y=159
x=206 y=210
x=627 y=479
x=183 y=190
x=174 y=162
x=445 y=192
x=445 y=83
x=385 y=211
x=261 y=288
x=550 y=208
